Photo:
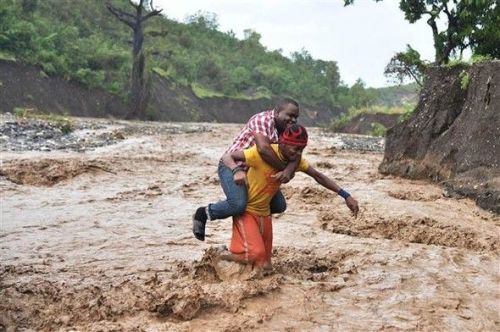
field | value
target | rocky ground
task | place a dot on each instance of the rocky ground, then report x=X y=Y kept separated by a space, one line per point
x=95 y=235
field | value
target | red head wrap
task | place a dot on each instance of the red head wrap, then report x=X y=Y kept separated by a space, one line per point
x=294 y=135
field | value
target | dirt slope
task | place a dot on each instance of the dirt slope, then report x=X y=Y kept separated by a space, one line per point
x=454 y=134
x=363 y=123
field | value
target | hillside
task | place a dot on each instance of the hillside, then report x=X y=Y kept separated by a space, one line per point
x=82 y=42
x=22 y=87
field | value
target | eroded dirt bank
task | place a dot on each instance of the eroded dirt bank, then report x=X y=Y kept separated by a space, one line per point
x=453 y=135
x=101 y=241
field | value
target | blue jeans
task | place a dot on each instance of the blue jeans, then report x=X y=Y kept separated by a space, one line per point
x=237 y=197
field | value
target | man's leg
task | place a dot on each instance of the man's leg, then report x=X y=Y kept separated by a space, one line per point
x=247 y=243
x=267 y=237
x=278 y=203
x=236 y=197
x=235 y=203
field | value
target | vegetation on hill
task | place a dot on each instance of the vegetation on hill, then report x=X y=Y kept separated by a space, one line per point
x=402 y=112
x=81 y=41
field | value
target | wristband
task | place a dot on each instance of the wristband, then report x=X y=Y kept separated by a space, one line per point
x=236 y=169
x=343 y=193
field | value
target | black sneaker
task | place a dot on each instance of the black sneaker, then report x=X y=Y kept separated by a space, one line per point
x=199 y=221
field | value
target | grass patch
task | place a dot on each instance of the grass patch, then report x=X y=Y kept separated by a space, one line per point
x=476 y=58
x=7 y=56
x=203 y=92
x=162 y=73
x=61 y=121
x=344 y=118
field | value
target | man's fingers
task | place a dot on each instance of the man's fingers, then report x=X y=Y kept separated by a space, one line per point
x=281 y=178
x=284 y=178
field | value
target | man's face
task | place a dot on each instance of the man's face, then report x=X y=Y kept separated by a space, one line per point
x=291 y=152
x=287 y=116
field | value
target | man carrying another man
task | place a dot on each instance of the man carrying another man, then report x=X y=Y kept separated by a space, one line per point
x=261 y=130
x=251 y=241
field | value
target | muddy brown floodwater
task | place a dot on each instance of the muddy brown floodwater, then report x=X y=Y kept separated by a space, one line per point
x=101 y=241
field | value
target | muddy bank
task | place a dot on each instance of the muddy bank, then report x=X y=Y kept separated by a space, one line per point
x=111 y=248
x=31 y=134
x=25 y=86
x=453 y=135
x=364 y=123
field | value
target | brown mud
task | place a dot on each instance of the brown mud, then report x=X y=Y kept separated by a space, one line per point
x=101 y=241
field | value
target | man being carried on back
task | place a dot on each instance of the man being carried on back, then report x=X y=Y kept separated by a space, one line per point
x=251 y=241
x=261 y=130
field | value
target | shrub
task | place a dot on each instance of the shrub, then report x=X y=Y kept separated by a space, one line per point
x=61 y=121
x=464 y=80
x=378 y=129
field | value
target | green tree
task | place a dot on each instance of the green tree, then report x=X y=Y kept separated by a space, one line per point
x=204 y=20
x=485 y=34
x=405 y=65
x=362 y=97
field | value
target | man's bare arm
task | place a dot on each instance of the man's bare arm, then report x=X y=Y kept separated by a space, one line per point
x=322 y=179
x=229 y=160
x=267 y=153
x=328 y=183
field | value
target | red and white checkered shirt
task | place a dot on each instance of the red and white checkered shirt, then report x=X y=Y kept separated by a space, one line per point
x=260 y=123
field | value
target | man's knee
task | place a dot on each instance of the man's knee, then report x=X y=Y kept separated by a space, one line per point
x=278 y=206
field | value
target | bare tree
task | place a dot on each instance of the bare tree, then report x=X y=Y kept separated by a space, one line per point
x=138 y=95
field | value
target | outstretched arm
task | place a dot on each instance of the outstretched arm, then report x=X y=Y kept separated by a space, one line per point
x=286 y=171
x=328 y=183
x=229 y=160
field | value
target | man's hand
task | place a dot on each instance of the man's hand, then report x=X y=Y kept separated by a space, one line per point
x=284 y=176
x=352 y=204
x=288 y=173
x=240 y=178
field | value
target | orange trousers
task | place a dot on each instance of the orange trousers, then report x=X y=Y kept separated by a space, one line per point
x=252 y=240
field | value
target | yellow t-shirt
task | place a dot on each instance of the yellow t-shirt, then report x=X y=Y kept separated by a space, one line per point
x=261 y=185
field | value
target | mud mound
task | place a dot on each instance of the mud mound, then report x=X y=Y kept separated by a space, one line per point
x=309 y=195
x=181 y=293
x=195 y=189
x=324 y=164
x=410 y=229
x=137 y=194
x=453 y=134
x=412 y=195
x=308 y=265
x=48 y=172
